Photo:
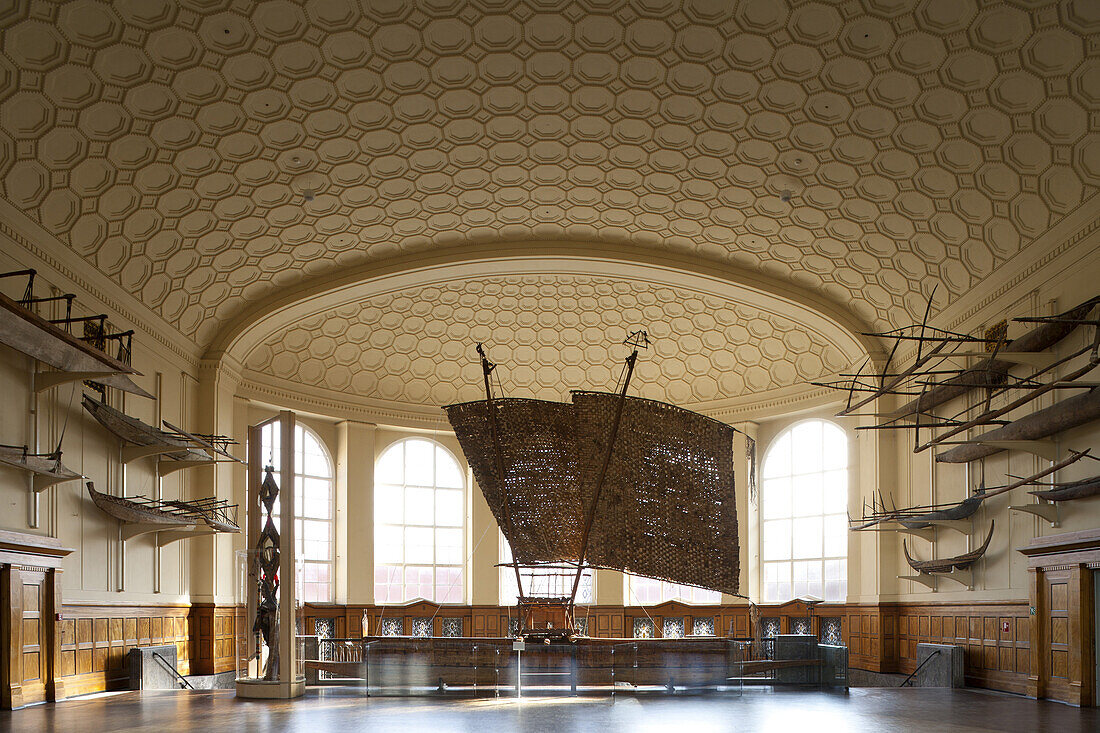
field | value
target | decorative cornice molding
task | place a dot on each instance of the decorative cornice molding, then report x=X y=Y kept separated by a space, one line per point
x=1042 y=260
x=1029 y=271
x=259 y=387
x=340 y=407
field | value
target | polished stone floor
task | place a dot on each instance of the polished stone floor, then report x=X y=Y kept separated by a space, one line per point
x=866 y=710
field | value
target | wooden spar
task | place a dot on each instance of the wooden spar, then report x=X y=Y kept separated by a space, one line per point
x=989 y=415
x=990 y=372
x=1061 y=416
x=1074 y=457
x=902 y=376
x=487 y=369
x=630 y=360
x=883 y=387
x=948 y=564
x=203 y=443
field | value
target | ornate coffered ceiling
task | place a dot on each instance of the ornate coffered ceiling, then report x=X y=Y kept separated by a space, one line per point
x=204 y=154
x=549 y=334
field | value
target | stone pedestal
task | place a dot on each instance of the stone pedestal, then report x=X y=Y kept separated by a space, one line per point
x=945 y=669
x=147 y=672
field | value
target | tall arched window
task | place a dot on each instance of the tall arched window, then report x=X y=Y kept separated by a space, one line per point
x=803 y=508
x=315 y=526
x=419 y=518
x=648 y=591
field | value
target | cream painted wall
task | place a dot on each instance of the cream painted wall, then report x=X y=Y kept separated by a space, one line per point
x=102 y=568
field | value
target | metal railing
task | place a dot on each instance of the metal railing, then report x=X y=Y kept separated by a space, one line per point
x=914 y=672
x=171 y=668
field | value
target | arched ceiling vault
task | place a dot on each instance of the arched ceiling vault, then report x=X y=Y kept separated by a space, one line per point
x=627 y=264
x=208 y=155
x=552 y=316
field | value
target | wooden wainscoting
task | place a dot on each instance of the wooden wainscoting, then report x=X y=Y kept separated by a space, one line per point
x=995 y=636
x=214 y=631
x=95 y=640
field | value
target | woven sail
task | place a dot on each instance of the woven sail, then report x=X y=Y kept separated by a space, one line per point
x=666 y=510
x=540 y=491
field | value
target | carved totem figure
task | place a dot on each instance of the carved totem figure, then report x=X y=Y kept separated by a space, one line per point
x=267 y=557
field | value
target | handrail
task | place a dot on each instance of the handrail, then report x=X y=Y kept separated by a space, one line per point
x=172 y=669
x=914 y=672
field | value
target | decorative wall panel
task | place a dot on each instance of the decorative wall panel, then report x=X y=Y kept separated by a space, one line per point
x=96 y=639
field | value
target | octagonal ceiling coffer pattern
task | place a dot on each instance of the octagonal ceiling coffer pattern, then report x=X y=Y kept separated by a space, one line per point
x=172 y=144
x=549 y=334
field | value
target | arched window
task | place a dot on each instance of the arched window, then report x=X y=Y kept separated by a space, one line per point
x=542 y=582
x=648 y=591
x=314 y=527
x=419 y=518
x=803 y=509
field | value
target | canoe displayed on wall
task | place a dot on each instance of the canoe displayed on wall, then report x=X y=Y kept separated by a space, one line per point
x=47 y=469
x=148 y=439
x=1069 y=413
x=24 y=330
x=959 y=562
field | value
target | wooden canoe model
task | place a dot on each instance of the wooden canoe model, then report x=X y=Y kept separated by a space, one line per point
x=217 y=514
x=134 y=431
x=138 y=509
x=1070 y=490
x=993 y=371
x=47 y=469
x=920 y=517
x=26 y=331
x=960 y=562
x=1068 y=413
x=962 y=510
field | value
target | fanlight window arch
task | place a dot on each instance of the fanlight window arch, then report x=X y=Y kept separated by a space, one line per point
x=314 y=498
x=419 y=523
x=803 y=510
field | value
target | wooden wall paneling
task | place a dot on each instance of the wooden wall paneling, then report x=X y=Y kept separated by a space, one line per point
x=35 y=648
x=995 y=657
x=93 y=641
x=11 y=632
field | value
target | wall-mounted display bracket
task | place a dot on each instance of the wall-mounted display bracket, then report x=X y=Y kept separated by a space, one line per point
x=1048 y=512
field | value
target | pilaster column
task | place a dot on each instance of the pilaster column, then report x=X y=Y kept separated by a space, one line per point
x=748 y=514
x=355 y=449
x=212 y=560
x=483 y=575
x=611 y=589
